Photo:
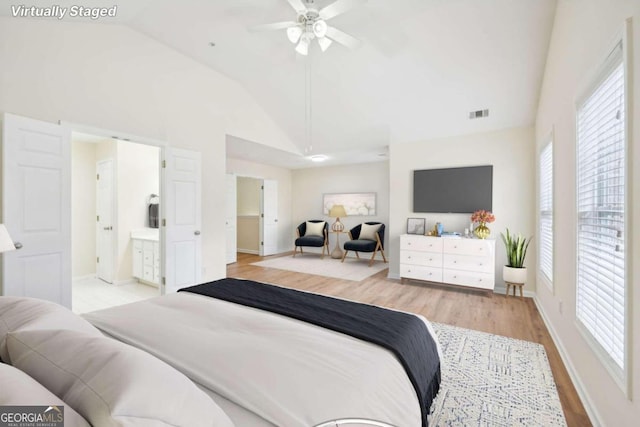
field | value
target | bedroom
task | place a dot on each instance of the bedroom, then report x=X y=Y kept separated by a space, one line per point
x=139 y=86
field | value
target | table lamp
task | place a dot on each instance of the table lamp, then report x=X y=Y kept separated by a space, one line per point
x=336 y=212
x=6 y=244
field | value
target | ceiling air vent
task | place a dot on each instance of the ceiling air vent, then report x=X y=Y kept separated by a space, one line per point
x=478 y=114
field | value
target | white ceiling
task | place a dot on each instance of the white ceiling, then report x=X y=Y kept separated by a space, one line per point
x=423 y=66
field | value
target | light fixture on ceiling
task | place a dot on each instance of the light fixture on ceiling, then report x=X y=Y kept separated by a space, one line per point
x=317 y=158
x=303 y=44
x=294 y=33
x=319 y=28
x=311 y=23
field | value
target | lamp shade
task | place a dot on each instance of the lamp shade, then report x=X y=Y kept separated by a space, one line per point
x=6 y=244
x=303 y=45
x=337 y=211
x=294 y=33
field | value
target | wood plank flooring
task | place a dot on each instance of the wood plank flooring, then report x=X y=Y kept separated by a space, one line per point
x=493 y=313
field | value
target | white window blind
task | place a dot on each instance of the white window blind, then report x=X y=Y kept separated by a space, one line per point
x=545 y=232
x=601 y=212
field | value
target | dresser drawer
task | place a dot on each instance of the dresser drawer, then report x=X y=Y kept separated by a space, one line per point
x=429 y=259
x=421 y=272
x=420 y=243
x=468 y=263
x=477 y=247
x=466 y=278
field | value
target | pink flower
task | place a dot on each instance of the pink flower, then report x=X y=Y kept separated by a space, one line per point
x=482 y=216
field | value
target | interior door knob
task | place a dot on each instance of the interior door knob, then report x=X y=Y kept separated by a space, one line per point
x=197 y=232
x=17 y=245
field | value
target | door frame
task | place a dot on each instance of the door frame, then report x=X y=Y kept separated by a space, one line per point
x=162 y=145
x=114 y=218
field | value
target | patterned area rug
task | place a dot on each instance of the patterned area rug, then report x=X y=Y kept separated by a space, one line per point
x=491 y=380
x=351 y=269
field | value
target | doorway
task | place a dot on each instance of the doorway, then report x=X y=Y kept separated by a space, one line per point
x=114 y=196
x=256 y=215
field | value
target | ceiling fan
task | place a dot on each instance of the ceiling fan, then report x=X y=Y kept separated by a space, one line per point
x=311 y=23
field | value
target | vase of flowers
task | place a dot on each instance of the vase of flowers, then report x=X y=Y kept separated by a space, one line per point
x=483 y=218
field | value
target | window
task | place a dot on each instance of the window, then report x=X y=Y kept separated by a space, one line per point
x=601 y=188
x=545 y=231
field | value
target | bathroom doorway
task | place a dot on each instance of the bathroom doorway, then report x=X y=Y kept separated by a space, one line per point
x=115 y=240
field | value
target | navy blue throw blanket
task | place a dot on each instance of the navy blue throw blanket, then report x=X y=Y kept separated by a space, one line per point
x=405 y=335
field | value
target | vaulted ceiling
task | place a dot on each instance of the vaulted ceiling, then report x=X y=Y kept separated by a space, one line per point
x=422 y=67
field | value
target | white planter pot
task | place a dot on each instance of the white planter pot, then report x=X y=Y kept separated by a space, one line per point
x=514 y=275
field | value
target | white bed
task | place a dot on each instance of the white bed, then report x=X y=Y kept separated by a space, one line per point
x=264 y=369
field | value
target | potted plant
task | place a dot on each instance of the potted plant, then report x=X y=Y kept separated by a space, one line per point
x=516 y=246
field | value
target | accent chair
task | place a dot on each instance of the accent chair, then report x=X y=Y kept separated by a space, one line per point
x=313 y=233
x=367 y=237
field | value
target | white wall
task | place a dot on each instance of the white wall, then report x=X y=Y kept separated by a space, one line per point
x=83 y=209
x=138 y=176
x=310 y=184
x=511 y=154
x=285 y=200
x=582 y=36
x=248 y=191
x=111 y=77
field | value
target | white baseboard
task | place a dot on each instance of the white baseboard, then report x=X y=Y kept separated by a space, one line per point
x=592 y=412
x=248 y=251
x=85 y=277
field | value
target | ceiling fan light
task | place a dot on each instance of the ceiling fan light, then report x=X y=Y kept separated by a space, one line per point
x=294 y=33
x=324 y=43
x=319 y=28
x=303 y=46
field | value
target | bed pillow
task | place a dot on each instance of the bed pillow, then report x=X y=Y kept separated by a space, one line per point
x=368 y=232
x=111 y=383
x=20 y=389
x=315 y=229
x=22 y=313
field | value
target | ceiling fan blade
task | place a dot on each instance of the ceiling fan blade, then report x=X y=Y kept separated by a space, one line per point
x=297 y=5
x=274 y=26
x=343 y=38
x=339 y=7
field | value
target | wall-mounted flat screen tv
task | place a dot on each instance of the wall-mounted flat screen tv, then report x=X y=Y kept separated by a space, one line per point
x=453 y=190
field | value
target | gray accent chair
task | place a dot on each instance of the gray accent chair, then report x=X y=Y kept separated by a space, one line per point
x=312 y=241
x=361 y=245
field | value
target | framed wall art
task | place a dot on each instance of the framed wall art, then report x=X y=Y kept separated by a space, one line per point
x=415 y=225
x=356 y=204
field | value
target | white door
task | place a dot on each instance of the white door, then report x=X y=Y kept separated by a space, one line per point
x=36 y=208
x=181 y=219
x=269 y=218
x=231 y=219
x=105 y=234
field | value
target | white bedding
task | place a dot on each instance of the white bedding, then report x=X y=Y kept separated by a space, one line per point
x=287 y=372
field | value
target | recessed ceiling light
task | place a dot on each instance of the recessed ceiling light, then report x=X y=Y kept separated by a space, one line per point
x=318 y=158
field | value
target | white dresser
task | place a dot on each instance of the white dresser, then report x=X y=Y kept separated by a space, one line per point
x=146 y=256
x=464 y=262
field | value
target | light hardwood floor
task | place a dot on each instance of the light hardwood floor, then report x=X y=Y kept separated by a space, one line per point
x=493 y=313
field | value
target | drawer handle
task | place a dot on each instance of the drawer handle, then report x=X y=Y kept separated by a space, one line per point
x=455 y=277
x=430 y=259
x=409 y=257
x=455 y=262
x=455 y=246
x=430 y=274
